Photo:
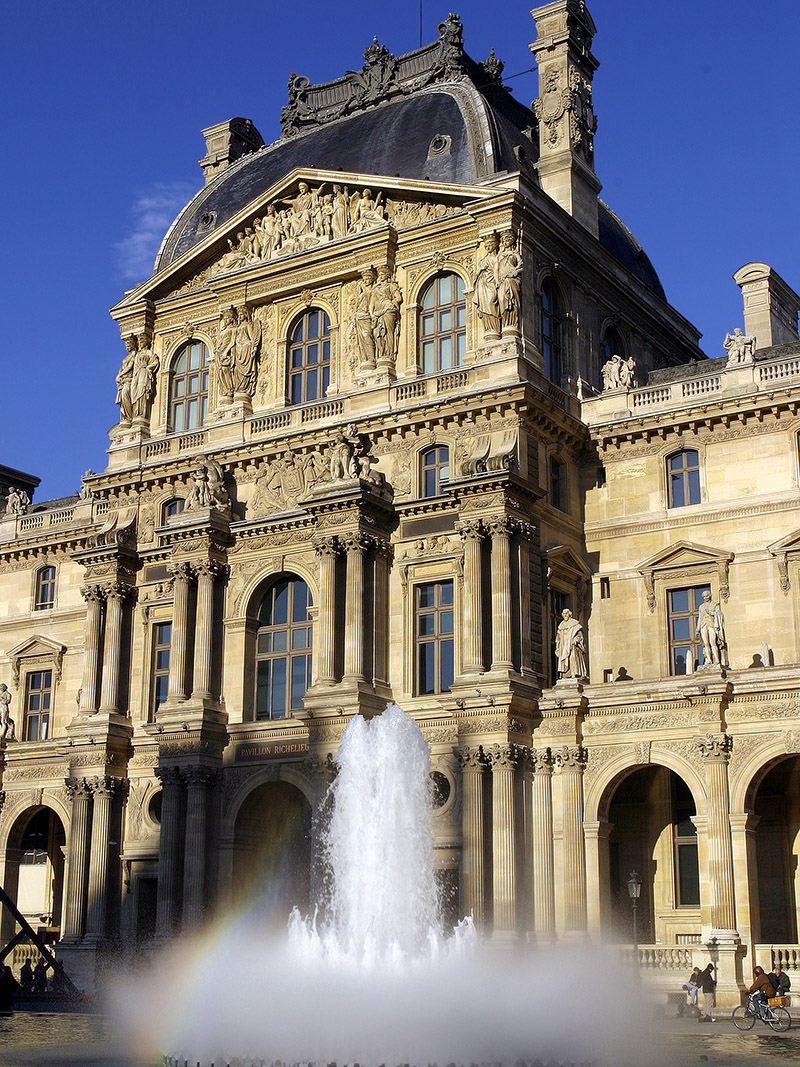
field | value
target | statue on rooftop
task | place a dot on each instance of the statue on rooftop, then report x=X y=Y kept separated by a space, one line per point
x=17 y=501
x=739 y=347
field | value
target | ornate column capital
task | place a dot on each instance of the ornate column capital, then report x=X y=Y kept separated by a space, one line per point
x=78 y=788
x=93 y=593
x=470 y=530
x=170 y=775
x=502 y=526
x=117 y=590
x=571 y=758
x=359 y=543
x=327 y=546
x=208 y=568
x=715 y=747
x=471 y=759
x=180 y=571
x=106 y=786
x=198 y=774
x=543 y=760
x=504 y=757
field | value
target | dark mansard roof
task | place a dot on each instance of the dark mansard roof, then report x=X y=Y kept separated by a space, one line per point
x=432 y=114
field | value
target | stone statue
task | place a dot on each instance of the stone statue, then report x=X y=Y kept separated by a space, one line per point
x=361 y=327
x=611 y=371
x=487 y=280
x=571 y=648
x=247 y=344
x=386 y=301
x=17 y=501
x=199 y=495
x=225 y=355
x=145 y=364
x=627 y=372
x=509 y=269
x=85 y=493
x=365 y=212
x=711 y=629
x=739 y=347
x=7 y=728
x=124 y=379
x=340 y=219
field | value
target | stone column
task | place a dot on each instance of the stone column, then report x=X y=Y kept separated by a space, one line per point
x=321 y=770
x=112 y=647
x=197 y=780
x=544 y=914
x=473 y=834
x=501 y=531
x=325 y=639
x=103 y=790
x=383 y=560
x=571 y=760
x=472 y=535
x=356 y=548
x=170 y=848
x=526 y=649
x=527 y=764
x=181 y=574
x=93 y=595
x=78 y=848
x=716 y=752
x=204 y=629
x=504 y=760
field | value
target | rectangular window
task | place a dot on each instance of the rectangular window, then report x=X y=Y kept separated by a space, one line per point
x=605 y=588
x=685 y=645
x=162 y=636
x=38 y=697
x=687 y=870
x=434 y=637
x=558 y=484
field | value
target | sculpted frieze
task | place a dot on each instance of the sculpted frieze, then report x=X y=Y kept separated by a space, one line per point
x=625 y=722
x=759 y=709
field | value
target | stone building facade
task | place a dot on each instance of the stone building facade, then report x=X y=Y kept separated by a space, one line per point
x=405 y=415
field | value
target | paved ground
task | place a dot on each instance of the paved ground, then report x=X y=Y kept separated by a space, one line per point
x=87 y=1041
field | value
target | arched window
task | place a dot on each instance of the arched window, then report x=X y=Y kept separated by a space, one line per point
x=310 y=357
x=283 y=649
x=189 y=388
x=551 y=331
x=172 y=507
x=611 y=345
x=683 y=474
x=443 y=324
x=45 y=589
x=435 y=470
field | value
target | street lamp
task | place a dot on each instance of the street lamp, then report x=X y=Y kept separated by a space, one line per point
x=634 y=892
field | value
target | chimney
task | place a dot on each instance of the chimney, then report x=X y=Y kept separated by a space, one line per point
x=770 y=306
x=563 y=52
x=226 y=142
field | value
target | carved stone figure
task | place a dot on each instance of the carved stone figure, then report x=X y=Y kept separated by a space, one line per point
x=143 y=380
x=247 y=343
x=287 y=479
x=7 y=728
x=509 y=269
x=711 y=629
x=340 y=219
x=487 y=280
x=208 y=487
x=225 y=355
x=17 y=501
x=124 y=379
x=361 y=327
x=365 y=212
x=627 y=373
x=349 y=458
x=739 y=347
x=386 y=301
x=618 y=373
x=571 y=648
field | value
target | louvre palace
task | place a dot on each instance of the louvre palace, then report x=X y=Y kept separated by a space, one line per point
x=405 y=415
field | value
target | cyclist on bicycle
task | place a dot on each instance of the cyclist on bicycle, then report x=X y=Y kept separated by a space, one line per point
x=761 y=990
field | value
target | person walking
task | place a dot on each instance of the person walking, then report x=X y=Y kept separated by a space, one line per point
x=708 y=985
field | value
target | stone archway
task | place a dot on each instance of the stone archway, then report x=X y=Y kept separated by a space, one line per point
x=34 y=869
x=272 y=851
x=774 y=799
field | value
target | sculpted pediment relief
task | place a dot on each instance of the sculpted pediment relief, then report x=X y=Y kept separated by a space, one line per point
x=38 y=648
x=679 y=560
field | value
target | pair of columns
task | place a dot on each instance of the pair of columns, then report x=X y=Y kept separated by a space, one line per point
x=89 y=857
x=503 y=532
x=355 y=548
x=205 y=573
x=183 y=846
x=103 y=644
x=522 y=857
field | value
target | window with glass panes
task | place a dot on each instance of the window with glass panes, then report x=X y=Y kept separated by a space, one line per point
x=434 y=628
x=162 y=636
x=189 y=392
x=172 y=507
x=687 y=868
x=310 y=358
x=443 y=324
x=283 y=649
x=38 y=697
x=45 y=589
x=685 y=644
x=34 y=840
x=435 y=470
x=551 y=332
x=684 y=478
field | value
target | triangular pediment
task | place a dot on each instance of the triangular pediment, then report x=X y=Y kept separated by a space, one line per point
x=373 y=203
x=685 y=554
x=786 y=545
x=36 y=647
x=563 y=559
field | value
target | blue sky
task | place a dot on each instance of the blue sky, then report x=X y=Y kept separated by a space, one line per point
x=103 y=102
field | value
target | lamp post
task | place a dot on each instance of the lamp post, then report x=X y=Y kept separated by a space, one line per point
x=634 y=892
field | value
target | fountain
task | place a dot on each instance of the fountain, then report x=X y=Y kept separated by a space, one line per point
x=371 y=978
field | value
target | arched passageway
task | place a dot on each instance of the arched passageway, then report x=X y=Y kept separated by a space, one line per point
x=272 y=851
x=34 y=870
x=776 y=804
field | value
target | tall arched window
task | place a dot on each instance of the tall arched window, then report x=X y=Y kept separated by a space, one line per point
x=189 y=388
x=283 y=649
x=683 y=474
x=442 y=324
x=551 y=331
x=310 y=357
x=45 y=589
x=612 y=345
x=435 y=463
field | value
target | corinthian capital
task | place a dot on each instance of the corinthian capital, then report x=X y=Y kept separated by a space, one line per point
x=92 y=593
x=571 y=758
x=471 y=759
x=327 y=546
x=470 y=530
x=180 y=572
x=208 y=568
x=505 y=757
x=78 y=788
x=716 y=747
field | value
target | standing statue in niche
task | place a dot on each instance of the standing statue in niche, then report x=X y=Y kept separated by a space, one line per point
x=711 y=630
x=486 y=298
x=248 y=342
x=7 y=728
x=124 y=380
x=361 y=328
x=143 y=381
x=386 y=301
x=225 y=355
x=571 y=648
x=739 y=347
x=509 y=269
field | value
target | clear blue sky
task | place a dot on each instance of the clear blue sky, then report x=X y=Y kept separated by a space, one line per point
x=697 y=147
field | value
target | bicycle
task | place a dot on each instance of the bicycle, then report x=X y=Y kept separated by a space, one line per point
x=744 y=1016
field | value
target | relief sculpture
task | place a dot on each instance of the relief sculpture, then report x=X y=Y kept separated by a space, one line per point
x=236 y=356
